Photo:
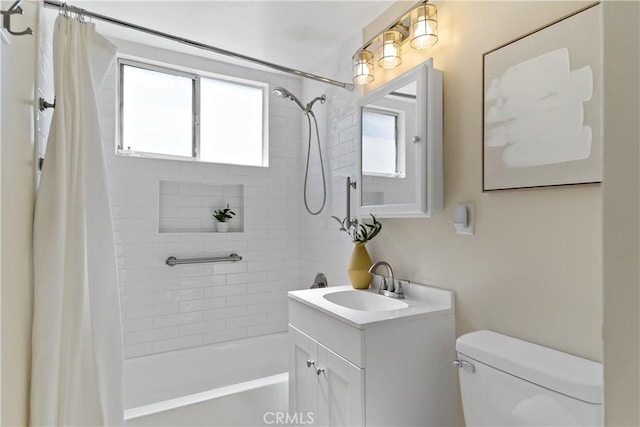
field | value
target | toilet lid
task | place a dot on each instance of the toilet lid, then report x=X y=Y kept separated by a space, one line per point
x=564 y=373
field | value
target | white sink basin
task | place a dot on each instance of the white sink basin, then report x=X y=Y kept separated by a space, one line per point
x=360 y=308
x=364 y=301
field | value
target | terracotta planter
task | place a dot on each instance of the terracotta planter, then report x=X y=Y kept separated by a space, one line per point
x=222 y=227
x=358 y=268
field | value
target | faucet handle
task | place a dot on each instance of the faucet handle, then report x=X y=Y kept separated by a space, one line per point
x=391 y=285
x=383 y=282
x=398 y=287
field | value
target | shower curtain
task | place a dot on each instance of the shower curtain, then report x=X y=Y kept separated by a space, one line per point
x=77 y=339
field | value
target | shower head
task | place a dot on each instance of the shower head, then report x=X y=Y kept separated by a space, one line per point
x=283 y=93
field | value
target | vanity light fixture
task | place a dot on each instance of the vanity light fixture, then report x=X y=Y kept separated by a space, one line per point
x=363 y=67
x=390 y=50
x=419 y=26
x=424 y=22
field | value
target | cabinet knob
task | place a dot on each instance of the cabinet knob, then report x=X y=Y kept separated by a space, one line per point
x=310 y=362
x=319 y=370
x=415 y=139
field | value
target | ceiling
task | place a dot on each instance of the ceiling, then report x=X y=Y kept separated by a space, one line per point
x=297 y=34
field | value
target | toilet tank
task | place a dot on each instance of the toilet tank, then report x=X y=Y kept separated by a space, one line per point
x=510 y=382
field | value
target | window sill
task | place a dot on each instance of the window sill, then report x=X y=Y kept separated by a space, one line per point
x=155 y=156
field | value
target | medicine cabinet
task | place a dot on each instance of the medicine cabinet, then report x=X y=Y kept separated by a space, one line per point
x=400 y=146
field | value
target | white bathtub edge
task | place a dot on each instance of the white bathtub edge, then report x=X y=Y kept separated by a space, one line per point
x=191 y=399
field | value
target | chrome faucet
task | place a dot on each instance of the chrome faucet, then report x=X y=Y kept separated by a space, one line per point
x=388 y=287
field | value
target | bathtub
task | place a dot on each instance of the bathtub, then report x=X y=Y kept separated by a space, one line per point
x=228 y=384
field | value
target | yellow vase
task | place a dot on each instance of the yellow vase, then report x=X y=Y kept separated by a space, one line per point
x=358 y=268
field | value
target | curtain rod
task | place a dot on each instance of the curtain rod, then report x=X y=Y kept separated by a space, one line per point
x=192 y=43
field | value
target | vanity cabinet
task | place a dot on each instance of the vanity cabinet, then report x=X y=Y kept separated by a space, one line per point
x=324 y=384
x=364 y=371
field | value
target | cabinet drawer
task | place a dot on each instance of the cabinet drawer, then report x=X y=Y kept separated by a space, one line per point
x=343 y=339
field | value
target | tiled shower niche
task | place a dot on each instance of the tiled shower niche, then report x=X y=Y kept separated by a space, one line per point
x=187 y=207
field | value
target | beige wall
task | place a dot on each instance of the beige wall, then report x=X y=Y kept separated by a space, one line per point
x=18 y=76
x=533 y=269
x=621 y=213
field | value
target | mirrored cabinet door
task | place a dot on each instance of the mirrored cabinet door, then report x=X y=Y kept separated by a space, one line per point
x=400 y=146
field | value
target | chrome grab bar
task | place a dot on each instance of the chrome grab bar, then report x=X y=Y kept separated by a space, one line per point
x=171 y=261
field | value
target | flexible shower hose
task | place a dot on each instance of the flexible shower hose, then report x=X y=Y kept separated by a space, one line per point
x=306 y=173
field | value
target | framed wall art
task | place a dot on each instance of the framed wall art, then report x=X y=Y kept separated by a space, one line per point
x=542 y=106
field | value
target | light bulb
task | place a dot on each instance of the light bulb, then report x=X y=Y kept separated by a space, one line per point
x=390 y=50
x=362 y=67
x=425 y=26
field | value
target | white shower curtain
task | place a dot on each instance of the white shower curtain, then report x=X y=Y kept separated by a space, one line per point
x=77 y=338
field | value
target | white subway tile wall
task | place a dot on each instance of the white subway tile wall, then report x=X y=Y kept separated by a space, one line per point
x=168 y=308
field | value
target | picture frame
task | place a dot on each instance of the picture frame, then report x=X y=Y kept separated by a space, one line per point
x=542 y=106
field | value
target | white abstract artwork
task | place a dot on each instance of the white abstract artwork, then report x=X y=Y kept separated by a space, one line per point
x=542 y=107
x=537 y=111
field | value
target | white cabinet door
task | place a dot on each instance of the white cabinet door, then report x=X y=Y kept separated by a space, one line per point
x=324 y=388
x=341 y=391
x=303 y=381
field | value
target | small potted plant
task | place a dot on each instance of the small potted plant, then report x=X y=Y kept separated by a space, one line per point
x=223 y=215
x=360 y=262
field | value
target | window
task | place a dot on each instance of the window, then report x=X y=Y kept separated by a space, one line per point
x=379 y=142
x=173 y=114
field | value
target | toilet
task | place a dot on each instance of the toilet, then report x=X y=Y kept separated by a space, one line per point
x=509 y=382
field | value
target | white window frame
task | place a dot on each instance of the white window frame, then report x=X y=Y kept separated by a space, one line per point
x=196 y=77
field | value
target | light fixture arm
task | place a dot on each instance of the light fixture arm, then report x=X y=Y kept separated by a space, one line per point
x=401 y=25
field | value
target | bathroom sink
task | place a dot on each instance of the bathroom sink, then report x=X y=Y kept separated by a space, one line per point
x=364 y=301
x=361 y=308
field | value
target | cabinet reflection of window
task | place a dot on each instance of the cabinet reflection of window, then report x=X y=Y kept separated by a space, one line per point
x=379 y=142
